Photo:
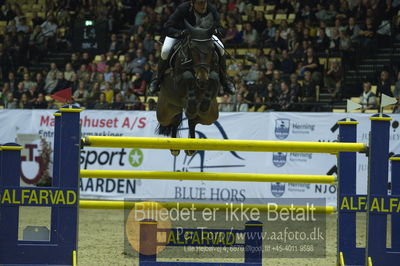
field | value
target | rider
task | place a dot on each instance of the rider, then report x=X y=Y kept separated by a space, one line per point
x=192 y=11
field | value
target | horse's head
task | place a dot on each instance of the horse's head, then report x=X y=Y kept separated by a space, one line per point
x=201 y=50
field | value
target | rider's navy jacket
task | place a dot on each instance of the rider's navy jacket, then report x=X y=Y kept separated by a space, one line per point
x=175 y=24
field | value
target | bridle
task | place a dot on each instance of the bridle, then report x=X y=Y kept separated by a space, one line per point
x=201 y=52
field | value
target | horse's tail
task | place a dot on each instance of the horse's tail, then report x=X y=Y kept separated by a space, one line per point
x=169 y=130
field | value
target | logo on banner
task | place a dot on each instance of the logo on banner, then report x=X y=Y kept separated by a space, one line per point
x=198 y=161
x=282 y=126
x=279 y=158
x=278 y=189
x=136 y=157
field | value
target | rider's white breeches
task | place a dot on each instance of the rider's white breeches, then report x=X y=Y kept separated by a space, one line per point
x=169 y=43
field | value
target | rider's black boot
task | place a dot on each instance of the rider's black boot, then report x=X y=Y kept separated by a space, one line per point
x=227 y=85
x=157 y=77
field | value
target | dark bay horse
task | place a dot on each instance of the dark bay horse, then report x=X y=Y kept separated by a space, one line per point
x=191 y=85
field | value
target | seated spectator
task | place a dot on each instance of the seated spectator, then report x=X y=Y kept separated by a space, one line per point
x=248 y=92
x=129 y=97
x=83 y=73
x=69 y=71
x=123 y=83
x=258 y=106
x=276 y=81
x=40 y=102
x=278 y=43
x=94 y=95
x=28 y=83
x=241 y=105
x=288 y=66
x=368 y=98
x=274 y=58
x=139 y=85
x=138 y=105
x=226 y=104
x=21 y=25
x=147 y=73
x=51 y=83
x=334 y=40
x=270 y=97
x=252 y=75
x=81 y=94
x=327 y=15
x=53 y=70
x=19 y=91
x=250 y=35
x=24 y=102
x=102 y=103
x=32 y=93
x=6 y=13
x=231 y=35
x=384 y=85
x=108 y=92
x=39 y=80
x=114 y=46
x=284 y=30
x=139 y=61
x=101 y=65
x=100 y=78
x=12 y=80
x=295 y=87
x=62 y=83
x=261 y=85
x=311 y=63
x=268 y=33
x=322 y=41
x=285 y=99
x=10 y=102
x=148 y=43
x=269 y=72
x=333 y=79
x=293 y=42
x=108 y=73
x=118 y=103
x=309 y=90
x=111 y=60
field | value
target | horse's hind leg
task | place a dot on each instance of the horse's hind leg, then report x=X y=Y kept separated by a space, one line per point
x=192 y=134
x=175 y=123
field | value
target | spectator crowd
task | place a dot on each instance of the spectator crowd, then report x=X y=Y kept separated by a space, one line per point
x=294 y=51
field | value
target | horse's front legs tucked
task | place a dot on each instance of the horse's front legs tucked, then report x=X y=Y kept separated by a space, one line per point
x=192 y=134
x=189 y=82
x=174 y=131
x=210 y=92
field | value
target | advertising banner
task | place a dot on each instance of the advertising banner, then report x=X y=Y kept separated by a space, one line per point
x=33 y=129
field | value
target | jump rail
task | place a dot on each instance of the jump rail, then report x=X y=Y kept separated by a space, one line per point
x=241 y=177
x=223 y=145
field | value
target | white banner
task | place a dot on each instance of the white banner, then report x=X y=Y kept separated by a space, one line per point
x=34 y=130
